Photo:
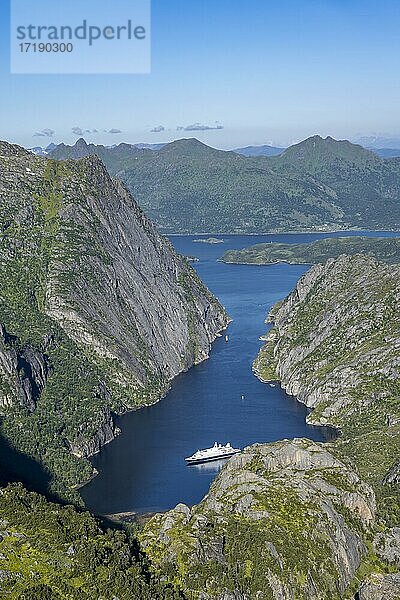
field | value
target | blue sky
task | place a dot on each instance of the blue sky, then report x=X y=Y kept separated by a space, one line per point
x=266 y=71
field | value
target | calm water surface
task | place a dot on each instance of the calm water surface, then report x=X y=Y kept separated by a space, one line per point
x=144 y=468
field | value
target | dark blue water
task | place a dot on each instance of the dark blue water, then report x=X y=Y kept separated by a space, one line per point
x=144 y=468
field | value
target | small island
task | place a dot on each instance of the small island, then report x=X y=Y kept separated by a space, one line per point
x=319 y=251
x=210 y=240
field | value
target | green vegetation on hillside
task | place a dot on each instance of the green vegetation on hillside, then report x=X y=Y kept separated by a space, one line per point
x=73 y=394
x=282 y=520
x=53 y=552
x=97 y=315
x=384 y=249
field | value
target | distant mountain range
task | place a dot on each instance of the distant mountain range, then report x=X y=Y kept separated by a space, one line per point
x=150 y=146
x=378 y=141
x=44 y=151
x=40 y=151
x=267 y=150
x=386 y=152
x=318 y=184
x=259 y=151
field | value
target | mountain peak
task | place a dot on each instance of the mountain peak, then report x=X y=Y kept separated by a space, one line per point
x=81 y=143
x=80 y=149
x=317 y=149
x=189 y=142
x=189 y=147
x=125 y=145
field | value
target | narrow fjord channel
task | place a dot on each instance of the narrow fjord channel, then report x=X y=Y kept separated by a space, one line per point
x=144 y=469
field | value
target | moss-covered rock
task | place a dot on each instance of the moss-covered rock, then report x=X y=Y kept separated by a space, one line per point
x=283 y=520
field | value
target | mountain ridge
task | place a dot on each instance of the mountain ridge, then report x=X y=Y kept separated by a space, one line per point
x=317 y=145
x=319 y=184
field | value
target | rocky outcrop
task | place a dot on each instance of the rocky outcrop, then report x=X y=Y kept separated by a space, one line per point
x=23 y=372
x=99 y=313
x=393 y=475
x=284 y=520
x=86 y=443
x=380 y=587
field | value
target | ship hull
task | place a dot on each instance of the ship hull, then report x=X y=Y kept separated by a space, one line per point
x=197 y=461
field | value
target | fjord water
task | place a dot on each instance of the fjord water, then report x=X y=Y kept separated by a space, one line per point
x=144 y=469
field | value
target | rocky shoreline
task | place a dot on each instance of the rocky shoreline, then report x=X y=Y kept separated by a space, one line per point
x=106 y=435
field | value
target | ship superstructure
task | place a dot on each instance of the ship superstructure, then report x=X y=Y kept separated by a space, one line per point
x=216 y=452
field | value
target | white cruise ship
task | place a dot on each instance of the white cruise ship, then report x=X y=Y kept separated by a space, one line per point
x=217 y=452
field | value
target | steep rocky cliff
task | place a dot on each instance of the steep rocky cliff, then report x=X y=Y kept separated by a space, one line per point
x=335 y=345
x=23 y=372
x=98 y=313
x=339 y=327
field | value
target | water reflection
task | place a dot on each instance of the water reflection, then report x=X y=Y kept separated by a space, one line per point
x=210 y=467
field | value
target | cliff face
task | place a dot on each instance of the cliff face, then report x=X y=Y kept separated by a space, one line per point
x=338 y=329
x=24 y=372
x=335 y=345
x=98 y=312
x=283 y=520
x=125 y=294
